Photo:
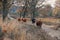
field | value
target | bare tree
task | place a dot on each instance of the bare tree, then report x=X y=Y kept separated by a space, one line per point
x=6 y=6
x=31 y=4
x=4 y=2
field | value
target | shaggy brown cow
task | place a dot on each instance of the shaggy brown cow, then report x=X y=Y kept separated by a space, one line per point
x=19 y=19
x=39 y=24
x=24 y=19
x=4 y=30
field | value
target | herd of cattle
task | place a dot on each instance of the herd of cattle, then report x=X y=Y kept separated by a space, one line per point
x=38 y=23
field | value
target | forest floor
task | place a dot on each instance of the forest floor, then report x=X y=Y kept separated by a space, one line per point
x=28 y=31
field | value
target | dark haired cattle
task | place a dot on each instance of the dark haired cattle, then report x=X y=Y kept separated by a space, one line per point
x=39 y=24
x=24 y=19
x=19 y=19
x=33 y=20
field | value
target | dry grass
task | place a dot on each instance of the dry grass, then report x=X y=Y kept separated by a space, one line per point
x=19 y=31
x=1 y=22
x=50 y=20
